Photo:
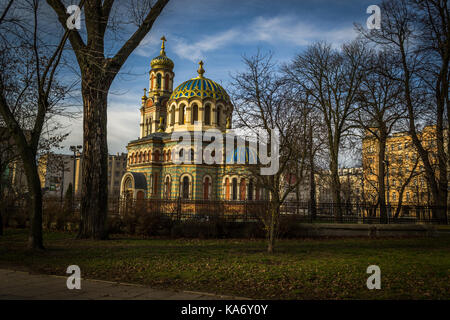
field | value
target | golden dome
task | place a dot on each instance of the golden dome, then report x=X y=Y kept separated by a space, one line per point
x=162 y=61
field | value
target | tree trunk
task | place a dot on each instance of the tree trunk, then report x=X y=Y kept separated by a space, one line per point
x=312 y=181
x=273 y=225
x=35 y=239
x=94 y=188
x=381 y=176
x=336 y=187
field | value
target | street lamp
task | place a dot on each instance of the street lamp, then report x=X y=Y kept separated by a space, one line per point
x=75 y=150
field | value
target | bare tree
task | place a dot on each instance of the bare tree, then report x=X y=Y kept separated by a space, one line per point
x=418 y=33
x=260 y=104
x=379 y=112
x=29 y=94
x=331 y=78
x=98 y=70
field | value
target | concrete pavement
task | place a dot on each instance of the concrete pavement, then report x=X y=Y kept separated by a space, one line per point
x=19 y=285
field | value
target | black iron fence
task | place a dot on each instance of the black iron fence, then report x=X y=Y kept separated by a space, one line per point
x=238 y=211
x=242 y=211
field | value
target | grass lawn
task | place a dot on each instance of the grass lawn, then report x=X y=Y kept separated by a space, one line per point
x=414 y=268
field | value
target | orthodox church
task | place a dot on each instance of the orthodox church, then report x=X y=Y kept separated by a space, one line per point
x=151 y=171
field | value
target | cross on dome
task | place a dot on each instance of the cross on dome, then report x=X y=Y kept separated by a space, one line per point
x=200 y=70
x=162 y=52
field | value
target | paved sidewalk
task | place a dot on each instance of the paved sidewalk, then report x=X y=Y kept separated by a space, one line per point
x=17 y=285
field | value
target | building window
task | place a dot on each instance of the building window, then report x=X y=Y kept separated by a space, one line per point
x=206 y=188
x=172 y=116
x=208 y=115
x=227 y=189
x=250 y=190
x=158 y=81
x=219 y=110
x=242 y=190
x=166 y=82
x=181 y=153
x=167 y=188
x=185 y=188
x=182 y=114
x=194 y=113
x=234 y=189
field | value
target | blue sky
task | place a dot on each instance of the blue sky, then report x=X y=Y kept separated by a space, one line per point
x=219 y=32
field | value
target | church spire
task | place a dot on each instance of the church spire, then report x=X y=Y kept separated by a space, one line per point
x=162 y=52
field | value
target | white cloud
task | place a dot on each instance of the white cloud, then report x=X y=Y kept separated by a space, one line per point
x=288 y=29
x=283 y=30
x=196 y=51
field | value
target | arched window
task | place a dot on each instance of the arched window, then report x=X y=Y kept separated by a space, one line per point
x=166 y=82
x=140 y=157
x=145 y=156
x=219 y=110
x=257 y=193
x=234 y=189
x=135 y=158
x=208 y=115
x=158 y=81
x=242 y=190
x=227 y=189
x=192 y=155
x=172 y=116
x=194 y=113
x=181 y=154
x=182 y=113
x=206 y=188
x=250 y=190
x=167 y=188
x=185 y=188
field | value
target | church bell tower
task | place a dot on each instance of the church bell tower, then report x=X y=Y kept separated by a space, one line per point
x=153 y=110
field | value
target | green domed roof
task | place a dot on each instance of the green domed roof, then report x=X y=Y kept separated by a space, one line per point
x=200 y=87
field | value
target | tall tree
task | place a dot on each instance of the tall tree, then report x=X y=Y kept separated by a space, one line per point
x=29 y=94
x=418 y=32
x=331 y=78
x=379 y=112
x=98 y=70
x=261 y=104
